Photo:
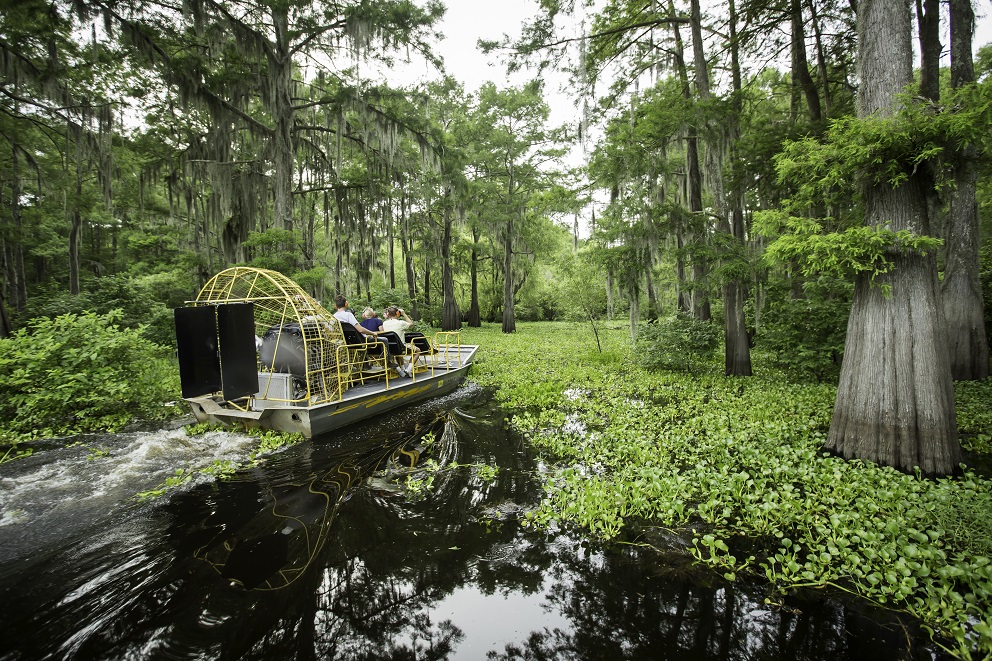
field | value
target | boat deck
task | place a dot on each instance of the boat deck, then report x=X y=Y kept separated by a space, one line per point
x=440 y=375
x=448 y=361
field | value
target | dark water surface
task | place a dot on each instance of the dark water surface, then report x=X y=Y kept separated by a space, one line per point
x=321 y=552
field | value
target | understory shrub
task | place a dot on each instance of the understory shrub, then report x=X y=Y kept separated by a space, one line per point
x=142 y=302
x=805 y=335
x=81 y=373
x=677 y=342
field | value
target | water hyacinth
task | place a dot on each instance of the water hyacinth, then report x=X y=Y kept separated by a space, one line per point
x=735 y=468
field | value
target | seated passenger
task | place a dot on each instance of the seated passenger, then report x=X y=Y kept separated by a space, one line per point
x=371 y=320
x=344 y=316
x=394 y=324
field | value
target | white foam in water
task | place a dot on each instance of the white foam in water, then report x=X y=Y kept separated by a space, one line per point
x=79 y=477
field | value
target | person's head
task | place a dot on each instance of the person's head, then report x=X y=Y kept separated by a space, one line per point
x=368 y=313
x=392 y=311
x=340 y=302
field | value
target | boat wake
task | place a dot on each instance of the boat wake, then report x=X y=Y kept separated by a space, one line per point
x=56 y=494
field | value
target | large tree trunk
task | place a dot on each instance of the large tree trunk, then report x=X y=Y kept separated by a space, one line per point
x=699 y=299
x=634 y=312
x=821 y=58
x=737 y=344
x=610 y=303
x=406 y=242
x=451 y=318
x=962 y=290
x=75 y=227
x=474 y=314
x=281 y=70
x=6 y=329
x=391 y=240
x=928 y=14
x=16 y=273
x=895 y=400
x=800 y=63
x=509 y=324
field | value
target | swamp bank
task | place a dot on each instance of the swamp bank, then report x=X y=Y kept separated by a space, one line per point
x=569 y=503
x=732 y=472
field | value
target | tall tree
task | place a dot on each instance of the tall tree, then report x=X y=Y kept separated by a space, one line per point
x=236 y=57
x=737 y=344
x=519 y=146
x=895 y=400
x=961 y=288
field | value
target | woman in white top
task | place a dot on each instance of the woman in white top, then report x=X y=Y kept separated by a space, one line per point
x=394 y=324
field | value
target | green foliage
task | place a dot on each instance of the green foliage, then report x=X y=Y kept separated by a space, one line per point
x=312 y=280
x=270 y=440
x=383 y=298
x=81 y=373
x=221 y=469
x=274 y=249
x=974 y=415
x=844 y=254
x=736 y=469
x=182 y=476
x=486 y=472
x=141 y=302
x=805 y=335
x=886 y=150
x=677 y=342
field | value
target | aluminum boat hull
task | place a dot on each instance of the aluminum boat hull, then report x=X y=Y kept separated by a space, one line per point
x=359 y=403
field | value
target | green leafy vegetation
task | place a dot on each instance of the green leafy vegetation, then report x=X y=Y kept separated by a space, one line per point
x=804 y=335
x=82 y=373
x=756 y=200
x=735 y=469
x=268 y=441
x=855 y=250
x=677 y=342
x=180 y=477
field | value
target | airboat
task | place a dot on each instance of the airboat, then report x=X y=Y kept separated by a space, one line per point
x=255 y=350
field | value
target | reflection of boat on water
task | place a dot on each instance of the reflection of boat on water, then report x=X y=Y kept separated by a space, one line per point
x=256 y=350
x=274 y=547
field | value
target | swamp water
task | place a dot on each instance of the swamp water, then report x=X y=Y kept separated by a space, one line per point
x=340 y=549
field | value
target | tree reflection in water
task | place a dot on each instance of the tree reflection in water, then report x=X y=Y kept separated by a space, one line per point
x=320 y=553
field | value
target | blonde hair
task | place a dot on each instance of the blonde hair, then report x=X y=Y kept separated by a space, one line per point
x=368 y=313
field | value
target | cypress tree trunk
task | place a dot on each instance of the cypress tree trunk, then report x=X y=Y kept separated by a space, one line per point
x=75 y=227
x=929 y=19
x=800 y=63
x=16 y=273
x=895 y=400
x=509 y=324
x=451 y=318
x=5 y=327
x=698 y=302
x=737 y=344
x=474 y=314
x=821 y=59
x=406 y=243
x=634 y=312
x=609 y=294
x=962 y=290
x=281 y=65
